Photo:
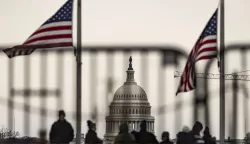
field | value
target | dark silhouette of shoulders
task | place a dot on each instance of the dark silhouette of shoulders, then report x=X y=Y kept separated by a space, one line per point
x=61 y=131
x=91 y=138
x=145 y=137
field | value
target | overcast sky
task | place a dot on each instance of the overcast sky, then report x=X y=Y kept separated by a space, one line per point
x=124 y=22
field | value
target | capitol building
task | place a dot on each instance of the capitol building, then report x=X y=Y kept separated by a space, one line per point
x=130 y=105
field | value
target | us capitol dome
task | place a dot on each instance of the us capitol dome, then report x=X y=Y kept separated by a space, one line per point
x=130 y=105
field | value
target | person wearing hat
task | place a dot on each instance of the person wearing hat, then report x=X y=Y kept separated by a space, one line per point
x=61 y=130
x=91 y=136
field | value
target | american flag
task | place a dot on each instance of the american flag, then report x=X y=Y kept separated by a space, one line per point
x=55 y=32
x=205 y=48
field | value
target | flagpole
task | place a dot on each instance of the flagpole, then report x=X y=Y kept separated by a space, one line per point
x=79 y=74
x=222 y=75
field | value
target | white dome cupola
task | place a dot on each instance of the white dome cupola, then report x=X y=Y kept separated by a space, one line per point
x=130 y=105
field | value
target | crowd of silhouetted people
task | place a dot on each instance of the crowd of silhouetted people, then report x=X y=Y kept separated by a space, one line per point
x=62 y=133
x=186 y=136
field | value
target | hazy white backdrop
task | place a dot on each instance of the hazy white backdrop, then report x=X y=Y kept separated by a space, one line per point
x=122 y=22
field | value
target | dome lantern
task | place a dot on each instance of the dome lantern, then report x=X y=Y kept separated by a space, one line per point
x=130 y=73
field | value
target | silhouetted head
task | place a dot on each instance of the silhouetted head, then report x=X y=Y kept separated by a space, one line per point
x=197 y=127
x=123 y=128
x=143 y=125
x=91 y=125
x=185 y=129
x=206 y=131
x=42 y=134
x=165 y=136
x=61 y=115
x=248 y=137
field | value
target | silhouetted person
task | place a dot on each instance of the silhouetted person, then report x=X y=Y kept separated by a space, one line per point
x=124 y=137
x=145 y=137
x=207 y=137
x=183 y=136
x=42 y=136
x=61 y=131
x=195 y=133
x=91 y=136
x=247 y=138
x=165 y=138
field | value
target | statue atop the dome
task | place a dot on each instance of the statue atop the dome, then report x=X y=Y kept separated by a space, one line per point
x=130 y=63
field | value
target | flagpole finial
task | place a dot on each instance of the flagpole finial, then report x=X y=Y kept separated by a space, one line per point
x=130 y=63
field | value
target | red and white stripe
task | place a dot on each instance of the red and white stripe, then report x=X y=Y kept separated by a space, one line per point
x=57 y=34
x=205 y=48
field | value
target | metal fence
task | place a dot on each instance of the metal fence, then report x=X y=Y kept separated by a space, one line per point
x=168 y=56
